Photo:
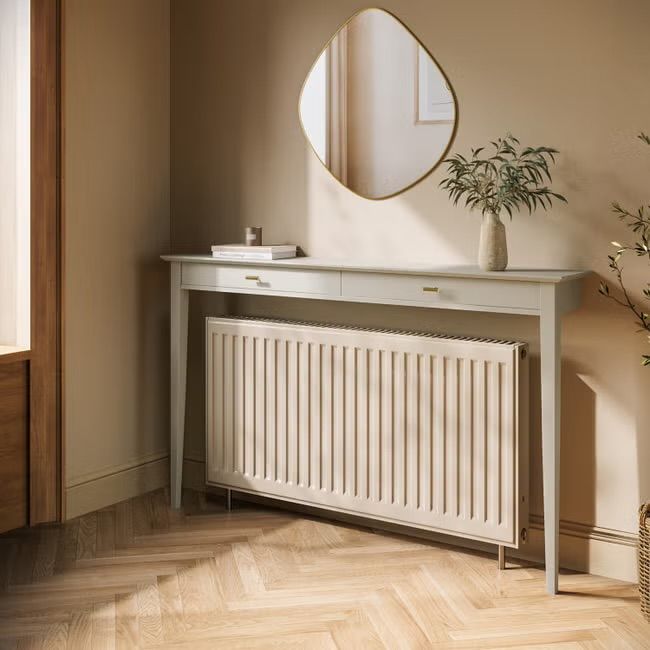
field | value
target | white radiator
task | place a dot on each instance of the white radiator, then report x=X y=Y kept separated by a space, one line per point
x=423 y=430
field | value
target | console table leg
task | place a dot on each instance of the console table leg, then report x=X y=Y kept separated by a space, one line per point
x=550 y=379
x=178 y=332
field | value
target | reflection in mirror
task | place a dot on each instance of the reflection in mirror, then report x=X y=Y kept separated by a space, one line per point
x=375 y=107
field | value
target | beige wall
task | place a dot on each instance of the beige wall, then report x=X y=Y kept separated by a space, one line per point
x=116 y=166
x=565 y=73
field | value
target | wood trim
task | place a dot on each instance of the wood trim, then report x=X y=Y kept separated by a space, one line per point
x=45 y=375
x=11 y=354
x=14 y=398
x=62 y=270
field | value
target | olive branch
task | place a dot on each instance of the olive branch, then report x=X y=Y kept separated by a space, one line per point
x=507 y=180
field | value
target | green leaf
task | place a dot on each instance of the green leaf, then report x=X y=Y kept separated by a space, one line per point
x=511 y=178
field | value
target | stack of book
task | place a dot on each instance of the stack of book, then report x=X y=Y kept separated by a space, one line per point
x=259 y=253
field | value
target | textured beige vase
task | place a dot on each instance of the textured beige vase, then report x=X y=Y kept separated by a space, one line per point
x=492 y=248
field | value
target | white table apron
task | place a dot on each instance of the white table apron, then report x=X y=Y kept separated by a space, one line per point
x=545 y=294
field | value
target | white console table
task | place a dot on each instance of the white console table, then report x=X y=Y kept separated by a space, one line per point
x=545 y=294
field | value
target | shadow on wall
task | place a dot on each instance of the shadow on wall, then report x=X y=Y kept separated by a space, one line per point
x=152 y=316
x=579 y=459
x=578 y=498
x=604 y=351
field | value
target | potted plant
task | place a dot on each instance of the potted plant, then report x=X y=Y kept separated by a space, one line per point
x=506 y=181
x=639 y=223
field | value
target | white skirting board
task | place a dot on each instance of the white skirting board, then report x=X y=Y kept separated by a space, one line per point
x=117 y=484
x=608 y=553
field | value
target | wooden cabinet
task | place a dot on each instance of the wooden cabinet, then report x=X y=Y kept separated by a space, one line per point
x=14 y=436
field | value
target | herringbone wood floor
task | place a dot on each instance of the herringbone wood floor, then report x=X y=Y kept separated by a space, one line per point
x=137 y=575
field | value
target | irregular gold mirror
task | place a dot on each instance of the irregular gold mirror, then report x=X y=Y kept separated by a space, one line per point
x=376 y=108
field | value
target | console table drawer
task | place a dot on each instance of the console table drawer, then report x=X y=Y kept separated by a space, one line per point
x=434 y=290
x=260 y=279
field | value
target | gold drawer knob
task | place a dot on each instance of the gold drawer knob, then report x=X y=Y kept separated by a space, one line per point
x=256 y=278
x=431 y=289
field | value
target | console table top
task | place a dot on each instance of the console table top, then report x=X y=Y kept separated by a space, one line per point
x=553 y=276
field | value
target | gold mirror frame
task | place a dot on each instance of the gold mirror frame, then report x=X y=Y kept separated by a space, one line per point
x=454 y=130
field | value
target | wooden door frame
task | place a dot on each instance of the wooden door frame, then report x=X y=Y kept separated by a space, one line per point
x=45 y=439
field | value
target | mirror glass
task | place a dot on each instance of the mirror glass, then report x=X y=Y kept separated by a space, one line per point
x=376 y=108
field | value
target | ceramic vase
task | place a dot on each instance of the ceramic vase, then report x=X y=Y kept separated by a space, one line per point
x=493 y=248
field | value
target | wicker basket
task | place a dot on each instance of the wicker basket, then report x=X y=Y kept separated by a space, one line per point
x=644 y=559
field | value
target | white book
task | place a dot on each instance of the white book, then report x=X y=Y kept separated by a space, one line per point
x=242 y=248
x=253 y=256
x=242 y=252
